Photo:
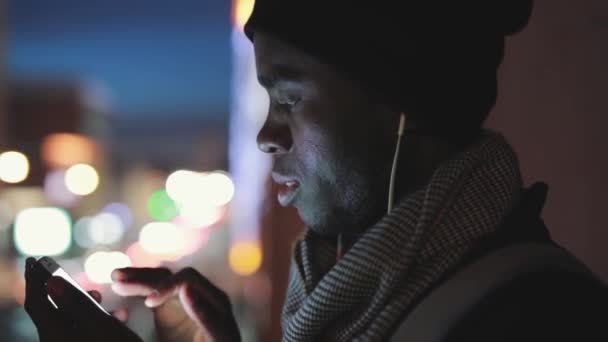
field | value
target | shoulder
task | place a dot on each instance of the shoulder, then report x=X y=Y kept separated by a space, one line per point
x=540 y=305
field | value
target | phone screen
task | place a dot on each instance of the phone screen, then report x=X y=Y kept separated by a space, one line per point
x=63 y=274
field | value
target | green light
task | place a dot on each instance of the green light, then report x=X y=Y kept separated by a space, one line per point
x=161 y=207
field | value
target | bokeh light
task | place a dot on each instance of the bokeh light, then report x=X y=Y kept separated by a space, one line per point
x=161 y=207
x=197 y=188
x=56 y=190
x=122 y=211
x=195 y=238
x=104 y=229
x=42 y=231
x=219 y=187
x=245 y=258
x=184 y=185
x=142 y=258
x=163 y=238
x=242 y=11
x=6 y=216
x=198 y=216
x=99 y=265
x=62 y=150
x=81 y=179
x=14 y=167
x=82 y=235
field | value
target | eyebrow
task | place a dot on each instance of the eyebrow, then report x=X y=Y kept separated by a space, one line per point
x=278 y=73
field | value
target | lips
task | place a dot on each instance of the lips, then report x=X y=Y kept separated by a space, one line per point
x=288 y=188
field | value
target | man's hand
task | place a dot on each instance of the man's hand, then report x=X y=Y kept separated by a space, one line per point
x=187 y=306
x=75 y=319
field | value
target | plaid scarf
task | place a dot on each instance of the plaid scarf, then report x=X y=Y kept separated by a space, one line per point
x=367 y=293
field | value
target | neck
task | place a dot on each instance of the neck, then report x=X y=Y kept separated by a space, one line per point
x=422 y=155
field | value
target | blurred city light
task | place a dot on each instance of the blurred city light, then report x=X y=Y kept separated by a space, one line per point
x=42 y=231
x=99 y=265
x=163 y=238
x=85 y=282
x=82 y=235
x=6 y=216
x=18 y=198
x=219 y=188
x=56 y=190
x=161 y=207
x=122 y=211
x=62 y=150
x=245 y=258
x=242 y=11
x=14 y=167
x=198 y=216
x=184 y=185
x=142 y=258
x=81 y=179
x=104 y=228
x=195 y=188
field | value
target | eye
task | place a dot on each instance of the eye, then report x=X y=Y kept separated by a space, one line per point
x=286 y=104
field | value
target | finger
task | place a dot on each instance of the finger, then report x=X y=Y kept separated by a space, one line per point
x=36 y=303
x=71 y=302
x=202 y=301
x=138 y=281
x=86 y=316
x=127 y=290
x=121 y=314
x=143 y=275
x=187 y=281
x=35 y=279
x=96 y=295
x=216 y=321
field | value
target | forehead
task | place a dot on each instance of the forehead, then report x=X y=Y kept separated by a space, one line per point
x=279 y=59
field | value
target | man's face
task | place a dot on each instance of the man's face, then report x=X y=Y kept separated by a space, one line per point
x=332 y=145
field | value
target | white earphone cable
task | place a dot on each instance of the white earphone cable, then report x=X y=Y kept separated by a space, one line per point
x=391 y=187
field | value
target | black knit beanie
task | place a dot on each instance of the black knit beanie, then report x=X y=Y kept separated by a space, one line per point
x=434 y=60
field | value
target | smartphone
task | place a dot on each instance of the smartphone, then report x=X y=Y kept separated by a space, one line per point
x=53 y=269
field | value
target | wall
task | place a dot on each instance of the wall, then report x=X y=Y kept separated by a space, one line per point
x=553 y=107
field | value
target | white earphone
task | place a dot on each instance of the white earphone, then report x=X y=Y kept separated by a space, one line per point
x=391 y=186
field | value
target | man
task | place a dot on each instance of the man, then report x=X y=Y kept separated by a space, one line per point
x=375 y=129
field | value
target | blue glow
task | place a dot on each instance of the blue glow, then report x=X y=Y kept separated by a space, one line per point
x=166 y=57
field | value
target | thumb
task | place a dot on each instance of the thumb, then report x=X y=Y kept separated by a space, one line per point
x=71 y=301
x=88 y=319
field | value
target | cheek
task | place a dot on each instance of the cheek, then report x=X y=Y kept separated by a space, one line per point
x=315 y=153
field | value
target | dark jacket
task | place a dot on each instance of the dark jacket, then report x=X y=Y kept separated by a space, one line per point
x=546 y=305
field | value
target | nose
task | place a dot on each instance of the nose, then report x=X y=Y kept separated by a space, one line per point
x=274 y=138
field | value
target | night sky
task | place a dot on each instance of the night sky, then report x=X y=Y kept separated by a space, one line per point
x=157 y=58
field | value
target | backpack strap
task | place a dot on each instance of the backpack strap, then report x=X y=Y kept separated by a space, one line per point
x=434 y=316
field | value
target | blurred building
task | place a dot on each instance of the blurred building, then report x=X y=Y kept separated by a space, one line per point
x=114 y=109
x=2 y=70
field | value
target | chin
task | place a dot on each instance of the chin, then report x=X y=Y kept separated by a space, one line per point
x=312 y=220
x=327 y=232
x=322 y=217
x=320 y=224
